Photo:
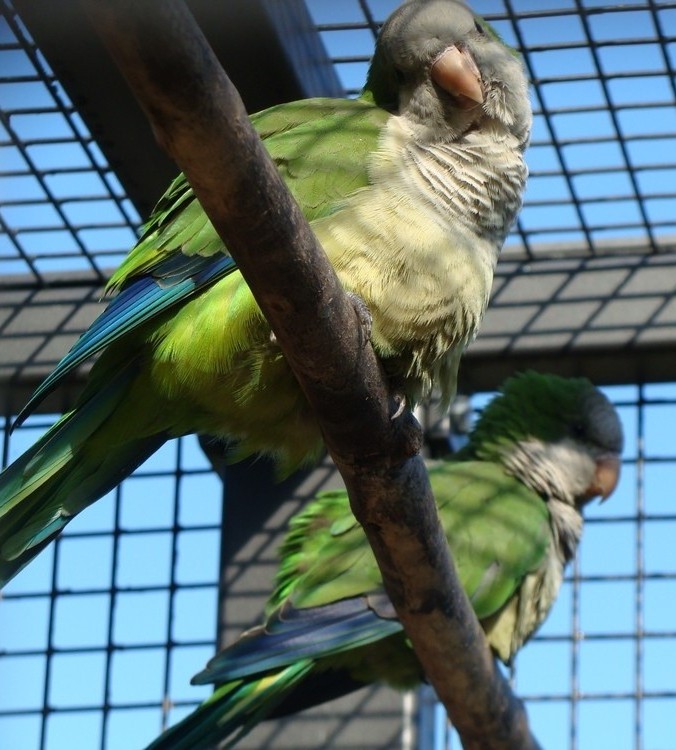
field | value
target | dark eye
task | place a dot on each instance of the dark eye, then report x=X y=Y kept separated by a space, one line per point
x=578 y=430
x=480 y=29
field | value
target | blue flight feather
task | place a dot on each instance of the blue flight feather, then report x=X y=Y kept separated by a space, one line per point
x=141 y=301
x=297 y=634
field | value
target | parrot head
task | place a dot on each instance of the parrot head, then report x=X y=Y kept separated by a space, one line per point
x=447 y=70
x=561 y=436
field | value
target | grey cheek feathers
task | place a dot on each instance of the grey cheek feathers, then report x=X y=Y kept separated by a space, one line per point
x=561 y=470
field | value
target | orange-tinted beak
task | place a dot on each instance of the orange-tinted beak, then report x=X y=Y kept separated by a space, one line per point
x=456 y=72
x=606 y=477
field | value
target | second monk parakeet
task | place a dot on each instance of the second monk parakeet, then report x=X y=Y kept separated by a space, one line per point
x=510 y=503
x=411 y=190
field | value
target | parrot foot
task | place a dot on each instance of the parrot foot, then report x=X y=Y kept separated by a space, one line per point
x=400 y=400
x=363 y=313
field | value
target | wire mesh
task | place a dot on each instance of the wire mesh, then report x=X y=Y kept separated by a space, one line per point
x=98 y=638
x=100 y=630
x=63 y=208
x=598 y=673
x=141 y=618
x=601 y=158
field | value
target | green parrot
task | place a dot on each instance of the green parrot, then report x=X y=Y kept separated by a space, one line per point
x=411 y=190
x=510 y=503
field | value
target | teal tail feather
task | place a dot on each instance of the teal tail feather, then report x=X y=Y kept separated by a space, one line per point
x=233 y=710
x=64 y=472
x=283 y=667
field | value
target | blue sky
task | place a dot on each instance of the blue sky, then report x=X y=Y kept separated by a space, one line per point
x=604 y=607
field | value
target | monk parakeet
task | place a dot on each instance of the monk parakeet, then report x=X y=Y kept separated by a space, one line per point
x=510 y=503
x=410 y=188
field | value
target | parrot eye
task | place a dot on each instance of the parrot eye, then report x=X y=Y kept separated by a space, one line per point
x=480 y=29
x=578 y=430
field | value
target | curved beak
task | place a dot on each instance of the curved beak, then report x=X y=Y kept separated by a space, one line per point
x=456 y=72
x=606 y=477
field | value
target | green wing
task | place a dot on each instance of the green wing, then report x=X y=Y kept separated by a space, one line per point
x=320 y=146
x=498 y=531
x=327 y=629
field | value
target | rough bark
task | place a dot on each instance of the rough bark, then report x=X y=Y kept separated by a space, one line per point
x=198 y=117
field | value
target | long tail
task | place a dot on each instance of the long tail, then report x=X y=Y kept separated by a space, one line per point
x=298 y=659
x=233 y=710
x=64 y=472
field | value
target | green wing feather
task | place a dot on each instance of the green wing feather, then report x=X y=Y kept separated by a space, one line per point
x=320 y=147
x=497 y=528
x=328 y=621
x=186 y=325
x=251 y=702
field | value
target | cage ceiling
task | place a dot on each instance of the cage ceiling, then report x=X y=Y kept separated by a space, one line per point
x=585 y=284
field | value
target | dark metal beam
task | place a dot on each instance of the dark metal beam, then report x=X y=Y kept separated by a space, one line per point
x=610 y=319
x=270 y=49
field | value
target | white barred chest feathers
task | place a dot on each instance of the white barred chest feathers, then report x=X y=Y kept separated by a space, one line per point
x=435 y=217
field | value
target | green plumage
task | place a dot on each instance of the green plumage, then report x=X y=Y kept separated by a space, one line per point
x=410 y=192
x=329 y=627
x=471 y=496
x=320 y=146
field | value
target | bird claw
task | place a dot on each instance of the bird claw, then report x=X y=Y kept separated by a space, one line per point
x=366 y=323
x=363 y=313
x=400 y=400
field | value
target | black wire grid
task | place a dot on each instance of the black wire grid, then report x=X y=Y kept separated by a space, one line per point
x=602 y=157
x=603 y=171
x=597 y=665
x=104 y=623
x=63 y=209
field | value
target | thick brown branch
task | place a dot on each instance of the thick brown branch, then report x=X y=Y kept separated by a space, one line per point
x=198 y=117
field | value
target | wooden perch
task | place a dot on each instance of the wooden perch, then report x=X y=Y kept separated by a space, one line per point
x=198 y=117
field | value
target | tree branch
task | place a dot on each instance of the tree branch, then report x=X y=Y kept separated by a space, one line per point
x=198 y=117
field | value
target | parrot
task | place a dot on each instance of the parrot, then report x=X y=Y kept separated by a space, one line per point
x=510 y=503
x=411 y=189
